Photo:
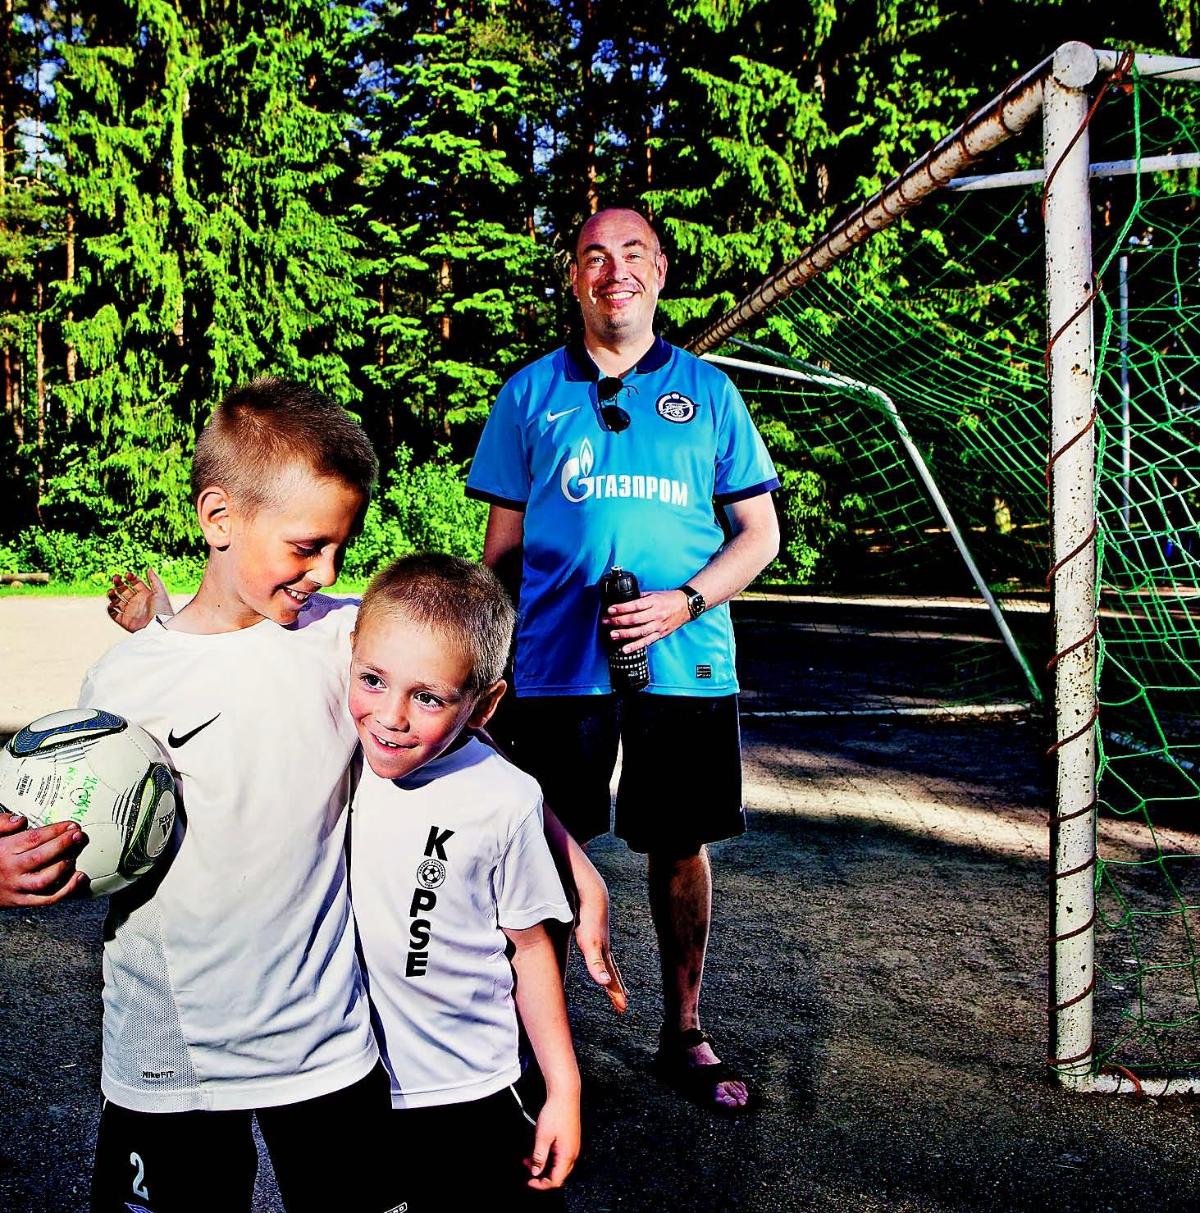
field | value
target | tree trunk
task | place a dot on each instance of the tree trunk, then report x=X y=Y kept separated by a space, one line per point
x=648 y=122
x=588 y=46
x=72 y=356
x=7 y=124
x=40 y=392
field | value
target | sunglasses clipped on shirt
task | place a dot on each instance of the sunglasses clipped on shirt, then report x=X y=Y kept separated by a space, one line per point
x=614 y=416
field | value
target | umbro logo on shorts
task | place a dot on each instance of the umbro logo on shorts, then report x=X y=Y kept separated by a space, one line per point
x=175 y=742
x=402 y=1207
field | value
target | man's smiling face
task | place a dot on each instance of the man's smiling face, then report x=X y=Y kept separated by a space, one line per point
x=617 y=274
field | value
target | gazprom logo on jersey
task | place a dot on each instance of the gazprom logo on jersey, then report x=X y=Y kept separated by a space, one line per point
x=578 y=483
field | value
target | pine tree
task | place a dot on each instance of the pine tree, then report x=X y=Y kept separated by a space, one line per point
x=27 y=238
x=458 y=94
x=204 y=160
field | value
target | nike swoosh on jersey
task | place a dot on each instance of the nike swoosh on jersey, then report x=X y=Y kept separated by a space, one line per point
x=175 y=742
x=555 y=416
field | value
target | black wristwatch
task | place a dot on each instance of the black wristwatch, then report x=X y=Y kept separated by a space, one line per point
x=696 y=604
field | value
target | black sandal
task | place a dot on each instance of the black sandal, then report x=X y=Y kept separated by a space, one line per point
x=695 y=1082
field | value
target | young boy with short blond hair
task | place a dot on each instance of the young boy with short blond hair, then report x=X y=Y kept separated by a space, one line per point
x=231 y=985
x=450 y=874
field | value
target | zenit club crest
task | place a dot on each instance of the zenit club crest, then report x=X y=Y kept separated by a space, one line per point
x=675 y=406
x=431 y=873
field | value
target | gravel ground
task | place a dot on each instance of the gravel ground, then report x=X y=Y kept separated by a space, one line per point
x=878 y=970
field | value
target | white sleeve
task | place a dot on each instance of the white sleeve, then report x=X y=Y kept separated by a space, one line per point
x=92 y=689
x=101 y=689
x=528 y=890
x=87 y=692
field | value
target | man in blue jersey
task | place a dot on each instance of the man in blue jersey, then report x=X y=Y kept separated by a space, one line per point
x=615 y=451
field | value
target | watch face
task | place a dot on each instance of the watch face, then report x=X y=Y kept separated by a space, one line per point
x=696 y=605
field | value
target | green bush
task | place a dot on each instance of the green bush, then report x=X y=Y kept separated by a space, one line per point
x=82 y=560
x=804 y=526
x=818 y=505
x=422 y=507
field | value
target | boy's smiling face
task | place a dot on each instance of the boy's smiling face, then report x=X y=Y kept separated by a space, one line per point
x=409 y=693
x=276 y=556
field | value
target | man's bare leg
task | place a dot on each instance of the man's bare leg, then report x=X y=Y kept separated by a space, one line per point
x=681 y=905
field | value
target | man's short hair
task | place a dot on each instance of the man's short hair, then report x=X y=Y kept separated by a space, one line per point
x=262 y=428
x=462 y=600
x=616 y=206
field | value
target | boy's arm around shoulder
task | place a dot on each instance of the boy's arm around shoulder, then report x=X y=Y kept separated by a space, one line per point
x=543 y=1011
x=588 y=891
x=133 y=603
x=592 y=928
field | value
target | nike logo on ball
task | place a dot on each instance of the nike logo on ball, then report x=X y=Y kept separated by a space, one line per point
x=564 y=413
x=175 y=742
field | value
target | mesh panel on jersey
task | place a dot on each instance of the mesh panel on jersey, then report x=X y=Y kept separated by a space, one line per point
x=150 y=1040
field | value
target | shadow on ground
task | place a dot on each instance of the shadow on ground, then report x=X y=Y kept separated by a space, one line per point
x=878 y=970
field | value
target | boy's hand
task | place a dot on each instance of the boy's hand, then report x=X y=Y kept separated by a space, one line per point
x=133 y=603
x=592 y=936
x=591 y=919
x=555 y=1143
x=37 y=867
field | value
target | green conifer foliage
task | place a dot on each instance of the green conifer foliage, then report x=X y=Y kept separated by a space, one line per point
x=27 y=239
x=203 y=151
x=456 y=97
x=378 y=197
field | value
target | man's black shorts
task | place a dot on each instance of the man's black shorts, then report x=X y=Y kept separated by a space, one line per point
x=681 y=765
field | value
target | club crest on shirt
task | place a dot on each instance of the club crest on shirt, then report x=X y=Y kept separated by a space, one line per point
x=431 y=873
x=675 y=406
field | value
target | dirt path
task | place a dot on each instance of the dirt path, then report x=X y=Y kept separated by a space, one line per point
x=878 y=969
x=45 y=646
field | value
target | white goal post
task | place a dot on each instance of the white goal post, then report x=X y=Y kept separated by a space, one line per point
x=1059 y=89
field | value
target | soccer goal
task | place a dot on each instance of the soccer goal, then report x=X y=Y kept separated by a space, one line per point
x=1012 y=362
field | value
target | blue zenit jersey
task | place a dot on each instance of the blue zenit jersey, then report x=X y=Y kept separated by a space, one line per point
x=642 y=498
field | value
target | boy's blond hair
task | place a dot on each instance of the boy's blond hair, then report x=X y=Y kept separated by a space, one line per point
x=462 y=600
x=263 y=428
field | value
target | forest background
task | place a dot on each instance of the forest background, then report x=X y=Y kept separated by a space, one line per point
x=379 y=198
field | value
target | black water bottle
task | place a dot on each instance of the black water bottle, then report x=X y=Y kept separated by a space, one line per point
x=626 y=671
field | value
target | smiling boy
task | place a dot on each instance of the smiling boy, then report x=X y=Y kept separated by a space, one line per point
x=450 y=875
x=232 y=989
x=231 y=985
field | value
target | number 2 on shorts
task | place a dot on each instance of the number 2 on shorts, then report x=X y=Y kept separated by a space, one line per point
x=139 y=1178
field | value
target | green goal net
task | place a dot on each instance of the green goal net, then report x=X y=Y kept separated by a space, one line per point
x=936 y=327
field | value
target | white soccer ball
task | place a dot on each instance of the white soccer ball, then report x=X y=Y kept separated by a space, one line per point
x=103 y=772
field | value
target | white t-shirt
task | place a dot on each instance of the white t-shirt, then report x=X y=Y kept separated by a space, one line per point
x=230 y=974
x=439 y=862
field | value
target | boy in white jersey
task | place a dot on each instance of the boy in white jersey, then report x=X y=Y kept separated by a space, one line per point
x=231 y=985
x=450 y=874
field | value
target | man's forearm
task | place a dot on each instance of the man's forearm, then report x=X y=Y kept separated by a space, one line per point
x=658 y=613
x=736 y=565
x=503 y=547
